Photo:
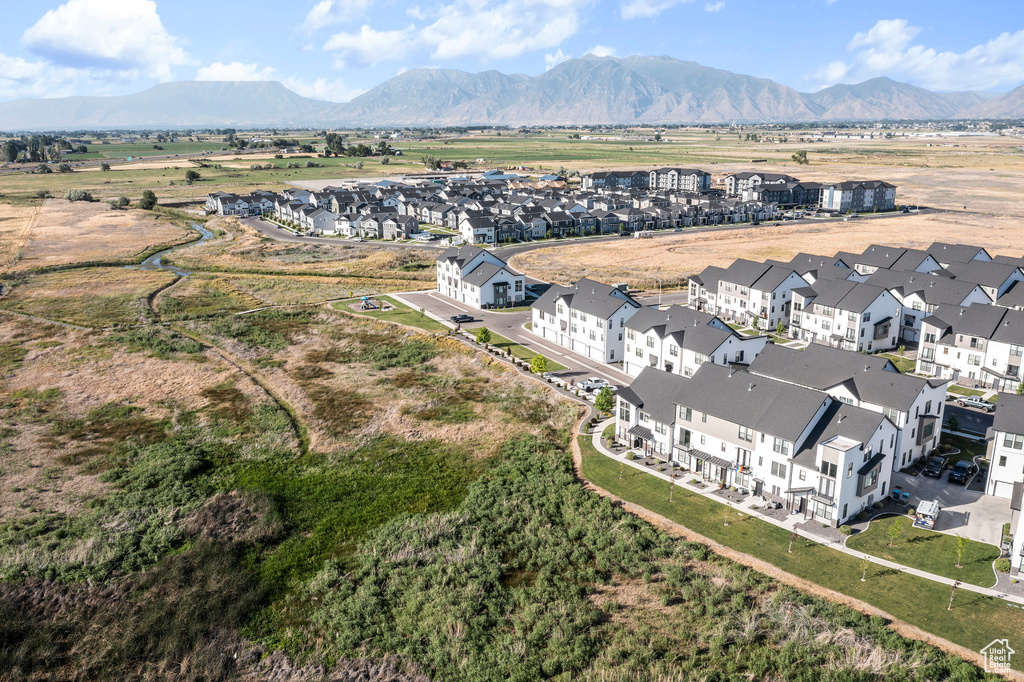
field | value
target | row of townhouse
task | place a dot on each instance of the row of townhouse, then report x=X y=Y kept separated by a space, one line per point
x=871 y=301
x=819 y=456
x=478 y=278
x=588 y=318
x=228 y=204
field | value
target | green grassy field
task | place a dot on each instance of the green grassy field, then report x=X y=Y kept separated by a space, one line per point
x=521 y=352
x=974 y=621
x=903 y=364
x=927 y=551
x=401 y=313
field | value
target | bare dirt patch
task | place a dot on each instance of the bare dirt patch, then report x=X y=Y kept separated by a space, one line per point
x=63 y=233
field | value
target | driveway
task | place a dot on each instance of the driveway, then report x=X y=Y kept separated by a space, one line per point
x=510 y=325
x=972 y=514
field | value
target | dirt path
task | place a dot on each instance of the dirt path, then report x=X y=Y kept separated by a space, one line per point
x=66 y=325
x=21 y=241
x=675 y=529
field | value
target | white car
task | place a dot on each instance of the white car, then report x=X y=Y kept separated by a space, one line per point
x=593 y=384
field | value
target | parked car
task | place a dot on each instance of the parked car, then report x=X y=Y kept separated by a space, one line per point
x=461 y=319
x=962 y=471
x=593 y=384
x=976 y=402
x=935 y=466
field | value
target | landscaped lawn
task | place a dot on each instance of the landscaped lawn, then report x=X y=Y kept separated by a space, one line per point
x=521 y=352
x=974 y=621
x=960 y=390
x=969 y=449
x=927 y=550
x=903 y=364
x=401 y=313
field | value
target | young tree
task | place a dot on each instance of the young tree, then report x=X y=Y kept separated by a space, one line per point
x=961 y=546
x=953 y=422
x=64 y=168
x=104 y=166
x=901 y=350
x=800 y=158
x=483 y=335
x=538 y=364
x=894 y=531
x=780 y=328
x=605 y=400
x=191 y=176
x=148 y=200
x=865 y=564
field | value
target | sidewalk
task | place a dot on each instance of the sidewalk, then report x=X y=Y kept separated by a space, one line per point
x=791 y=521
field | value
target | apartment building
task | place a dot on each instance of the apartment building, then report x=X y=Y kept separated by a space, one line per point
x=680 y=179
x=821 y=457
x=1006 y=448
x=588 y=318
x=679 y=340
x=914 y=405
x=478 y=278
x=977 y=346
x=846 y=315
x=746 y=292
x=854 y=195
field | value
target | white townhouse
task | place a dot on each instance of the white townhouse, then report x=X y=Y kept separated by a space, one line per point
x=846 y=315
x=679 y=340
x=1006 y=447
x=746 y=292
x=478 y=278
x=994 y=278
x=588 y=318
x=914 y=405
x=977 y=346
x=225 y=203
x=822 y=458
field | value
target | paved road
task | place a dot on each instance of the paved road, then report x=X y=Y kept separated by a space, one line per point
x=510 y=325
x=970 y=419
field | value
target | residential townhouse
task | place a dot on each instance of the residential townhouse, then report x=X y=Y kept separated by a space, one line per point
x=846 y=315
x=685 y=179
x=1006 y=450
x=615 y=179
x=978 y=346
x=588 y=318
x=922 y=294
x=820 y=457
x=737 y=183
x=478 y=278
x=995 y=278
x=679 y=340
x=957 y=253
x=913 y=404
x=747 y=292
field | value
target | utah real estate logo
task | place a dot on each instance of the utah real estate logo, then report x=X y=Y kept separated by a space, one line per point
x=997 y=656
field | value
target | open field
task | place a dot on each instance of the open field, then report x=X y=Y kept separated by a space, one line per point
x=64 y=233
x=400 y=313
x=92 y=297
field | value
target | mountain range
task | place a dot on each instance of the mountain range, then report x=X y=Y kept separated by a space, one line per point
x=588 y=90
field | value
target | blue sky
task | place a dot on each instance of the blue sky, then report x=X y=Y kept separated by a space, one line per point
x=335 y=49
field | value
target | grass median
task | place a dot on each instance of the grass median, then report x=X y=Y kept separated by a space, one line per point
x=521 y=352
x=927 y=550
x=974 y=621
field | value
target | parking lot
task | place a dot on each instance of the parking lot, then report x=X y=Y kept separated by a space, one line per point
x=970 y=513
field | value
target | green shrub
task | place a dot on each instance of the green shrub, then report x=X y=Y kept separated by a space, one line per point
x=78 y=195
x=630 y=456
x=1002 y=565
x=845 y=530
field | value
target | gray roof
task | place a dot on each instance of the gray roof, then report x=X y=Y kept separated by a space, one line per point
x=484 y=272
x=586 y=296
x=872 y=378
x=976 y=320
x=954 y=253
x=744 y=272
x=654 y=391
x=460 y=256
x=982 y=272
x=689 y=328
x=933 y=289
x=1009 y=418
x=843 y=294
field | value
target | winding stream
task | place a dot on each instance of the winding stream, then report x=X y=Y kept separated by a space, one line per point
x=155 y=262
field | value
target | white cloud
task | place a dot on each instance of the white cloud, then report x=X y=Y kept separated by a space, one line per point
x=235 y=71
x=602 y=51
x=108 y=35
x=369 y=46
x=552 y=60
x=321 y=88
x=401 y=71
x=889 y=49
x=416 y=13
x=329 y=12
x=715 y=6
x=501 y=30
x=638 y=9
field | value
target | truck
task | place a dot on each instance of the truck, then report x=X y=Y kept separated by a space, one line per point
x=643 y=234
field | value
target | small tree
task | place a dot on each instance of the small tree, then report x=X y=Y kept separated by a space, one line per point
x=148 y=200
x=119 y=203
x=961 y=546
x=605 y=400
x=780 y=328
x=191 y=176
x=894 y=531
x=78 y=195
x=901 y=350
x=538 y=364
x=800 y=158
x=104 y=166
x=954 y=423
x=483 y=335
x=64 y=168
x=43 y=168
x=865 y=564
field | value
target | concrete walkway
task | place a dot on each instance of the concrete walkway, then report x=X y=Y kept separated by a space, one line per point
x=791 y=522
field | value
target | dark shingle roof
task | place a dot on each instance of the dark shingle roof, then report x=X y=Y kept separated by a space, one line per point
x=1009 y=418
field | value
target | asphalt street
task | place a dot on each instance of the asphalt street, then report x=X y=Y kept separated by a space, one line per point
x=970 y=419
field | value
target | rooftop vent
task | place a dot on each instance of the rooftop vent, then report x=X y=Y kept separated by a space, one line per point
x=841 y=418
x=750 y=387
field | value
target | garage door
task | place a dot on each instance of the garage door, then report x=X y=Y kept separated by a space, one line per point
x=1003 y=489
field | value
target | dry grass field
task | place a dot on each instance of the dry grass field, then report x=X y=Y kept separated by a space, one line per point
x=62 y=233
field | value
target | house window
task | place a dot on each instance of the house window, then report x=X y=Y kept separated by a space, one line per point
x=644 y=417
x=802 y=475
x=685 y=413
x=650 y=342
x=1014 y=441
x=673 y=350
x=1002 y=460
x=624 y=411
x=639 y=352
x=849 y=471
x=560 y=309
x=612 y=354
x=778 y=470
x=630 y=335
x=780 y=446
x=659 y=428
x=746 y=434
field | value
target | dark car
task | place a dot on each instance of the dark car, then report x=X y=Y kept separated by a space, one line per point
x=962 y=471
x=935 y=465
x=461 y=319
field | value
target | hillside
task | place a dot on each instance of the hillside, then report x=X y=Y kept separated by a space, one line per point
x=588 y=90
